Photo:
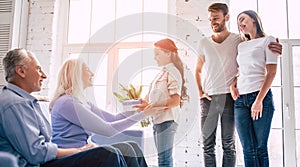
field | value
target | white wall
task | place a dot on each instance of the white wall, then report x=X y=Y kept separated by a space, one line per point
x=40 y=33
x=188 y=150
x=41 y=13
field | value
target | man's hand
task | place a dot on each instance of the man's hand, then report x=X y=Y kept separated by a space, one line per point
x=234 y=92
x=275 y=47
x=205 y=95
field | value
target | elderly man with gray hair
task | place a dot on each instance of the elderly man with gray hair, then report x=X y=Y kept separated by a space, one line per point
x=24 y=130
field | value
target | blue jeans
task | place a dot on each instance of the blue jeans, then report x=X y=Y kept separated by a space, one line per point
x=220 y=105
x=164 y=139
x=254 y=134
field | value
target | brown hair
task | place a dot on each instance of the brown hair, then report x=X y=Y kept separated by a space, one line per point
x=259 y=29
x=215 y=7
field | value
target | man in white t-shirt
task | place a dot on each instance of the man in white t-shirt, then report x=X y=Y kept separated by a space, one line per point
x=216 y=69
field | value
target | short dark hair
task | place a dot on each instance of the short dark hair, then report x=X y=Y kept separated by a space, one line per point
x=215 y=7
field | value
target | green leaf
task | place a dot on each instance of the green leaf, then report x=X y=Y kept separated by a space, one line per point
x=120 y=97
x=138 y=93
x=124 y=88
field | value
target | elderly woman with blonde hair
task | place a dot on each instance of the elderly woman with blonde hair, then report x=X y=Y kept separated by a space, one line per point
x=74 y=117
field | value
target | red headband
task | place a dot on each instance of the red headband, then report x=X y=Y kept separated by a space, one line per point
x=166 y=44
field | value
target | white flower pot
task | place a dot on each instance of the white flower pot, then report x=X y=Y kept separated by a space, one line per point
x=127 y=105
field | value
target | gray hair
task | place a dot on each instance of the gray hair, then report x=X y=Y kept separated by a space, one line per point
x=14 y=58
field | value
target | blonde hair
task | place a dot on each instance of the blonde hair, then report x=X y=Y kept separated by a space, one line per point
x=69 y=81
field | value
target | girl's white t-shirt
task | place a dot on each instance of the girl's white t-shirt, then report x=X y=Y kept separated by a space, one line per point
x=253 y=56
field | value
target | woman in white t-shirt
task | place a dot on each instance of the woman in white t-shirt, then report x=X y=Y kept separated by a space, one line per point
x=164 y=99
x=254 y=106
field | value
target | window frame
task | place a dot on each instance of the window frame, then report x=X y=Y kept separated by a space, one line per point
x=62 y=49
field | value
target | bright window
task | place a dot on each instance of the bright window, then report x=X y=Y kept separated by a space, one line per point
x=296 y=68
x=294 y=24
x=116 y=53
x=274 y=20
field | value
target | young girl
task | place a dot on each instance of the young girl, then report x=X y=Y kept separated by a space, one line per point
x=164 y=99
x=254 y=106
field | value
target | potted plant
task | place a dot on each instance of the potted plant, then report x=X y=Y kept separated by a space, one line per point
x=130 y=96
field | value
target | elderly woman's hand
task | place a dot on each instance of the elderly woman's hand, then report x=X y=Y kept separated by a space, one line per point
x=151 y=109
x=88 y=146
x=141 y=106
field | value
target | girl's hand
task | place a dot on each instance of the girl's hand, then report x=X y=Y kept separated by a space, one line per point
x=256 y=110
x=148 y=110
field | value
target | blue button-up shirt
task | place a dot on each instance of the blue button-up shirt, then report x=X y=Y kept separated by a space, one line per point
x=24 y=130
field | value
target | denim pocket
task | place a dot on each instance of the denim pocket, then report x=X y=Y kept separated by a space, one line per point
x=238 y=102
x=252 y=97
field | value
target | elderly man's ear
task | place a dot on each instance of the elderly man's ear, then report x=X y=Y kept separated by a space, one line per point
x=20 y=71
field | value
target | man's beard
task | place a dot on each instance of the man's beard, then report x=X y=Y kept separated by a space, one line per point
x=220 y=27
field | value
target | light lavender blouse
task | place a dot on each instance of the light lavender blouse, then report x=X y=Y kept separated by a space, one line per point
x=73 y=122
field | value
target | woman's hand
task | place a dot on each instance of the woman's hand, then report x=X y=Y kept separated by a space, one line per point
x=141 y=106
x=151 y=109
x=88 y=146
x=256 y=110
x=62 y=152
